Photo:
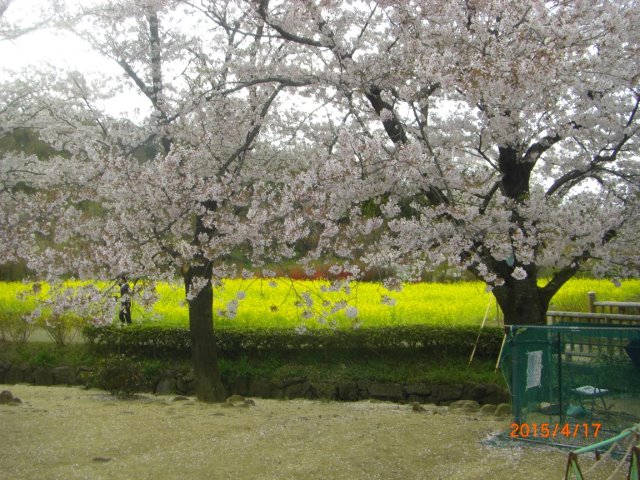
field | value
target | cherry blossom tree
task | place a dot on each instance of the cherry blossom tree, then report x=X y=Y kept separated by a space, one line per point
x=172 y=196
x=499 y=137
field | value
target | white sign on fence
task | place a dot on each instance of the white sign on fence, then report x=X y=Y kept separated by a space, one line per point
x=534 y=369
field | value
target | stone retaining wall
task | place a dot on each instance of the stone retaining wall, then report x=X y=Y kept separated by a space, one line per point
x=297 y=387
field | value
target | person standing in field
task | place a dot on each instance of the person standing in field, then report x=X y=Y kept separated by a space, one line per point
x=125 y=300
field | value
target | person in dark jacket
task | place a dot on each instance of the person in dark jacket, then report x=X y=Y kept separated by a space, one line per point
x=125 y=300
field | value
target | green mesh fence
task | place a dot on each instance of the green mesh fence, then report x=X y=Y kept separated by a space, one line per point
x=572 y=385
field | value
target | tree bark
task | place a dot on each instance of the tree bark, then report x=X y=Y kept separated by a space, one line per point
x=522 y=301
x=204 y=351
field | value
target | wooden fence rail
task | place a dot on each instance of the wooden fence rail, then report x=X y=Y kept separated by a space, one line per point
x=594 y=319
x=609 y=314
x=622 y=308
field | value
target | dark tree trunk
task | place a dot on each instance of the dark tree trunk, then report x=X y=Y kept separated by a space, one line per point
x=522 y=301
x=204 y=352
x=209 y=387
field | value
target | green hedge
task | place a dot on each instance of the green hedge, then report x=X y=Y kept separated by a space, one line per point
x=160 y=341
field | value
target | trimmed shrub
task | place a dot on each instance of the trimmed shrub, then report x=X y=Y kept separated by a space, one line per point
x=160 y=341
x=119 y=375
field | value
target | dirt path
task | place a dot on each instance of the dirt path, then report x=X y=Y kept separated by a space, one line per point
x=72 y=433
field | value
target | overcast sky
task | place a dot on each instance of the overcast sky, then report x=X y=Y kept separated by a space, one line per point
x=41 y=46
x=64 y=51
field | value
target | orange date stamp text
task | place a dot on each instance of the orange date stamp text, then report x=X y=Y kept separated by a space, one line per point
x=555 y=430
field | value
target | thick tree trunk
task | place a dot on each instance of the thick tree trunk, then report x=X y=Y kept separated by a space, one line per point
x=209 y=387
x=522 y=302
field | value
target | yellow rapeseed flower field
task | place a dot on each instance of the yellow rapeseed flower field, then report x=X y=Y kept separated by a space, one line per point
x=280 y=302
x=285 y=303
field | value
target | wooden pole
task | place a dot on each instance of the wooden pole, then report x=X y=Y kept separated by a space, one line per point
x=592 y=301
x=484 y=320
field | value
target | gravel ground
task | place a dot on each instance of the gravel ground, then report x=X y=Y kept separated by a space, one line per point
x=73 y=433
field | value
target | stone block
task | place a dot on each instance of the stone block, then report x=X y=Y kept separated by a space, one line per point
x=503 y=410
x=417 y=390
x=495 y=394
x=324 y=390
x=166 y=386
x=5 y=397
x=239 y=386
x=474 y=391
x=296 y=390
x=488 y=409
x=446 y=393
x=465 y=404
x=259 y=387
x=386 y=391
x=4 y=368
x=19 y=374
x=289 y=381
x=64 y=375
x=348 y=391
x=43 y=376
